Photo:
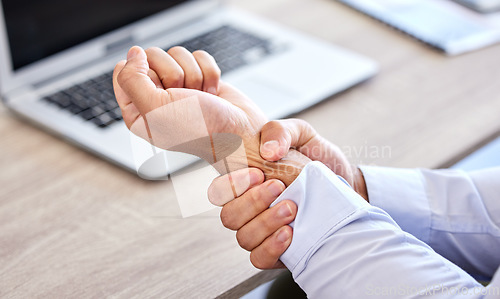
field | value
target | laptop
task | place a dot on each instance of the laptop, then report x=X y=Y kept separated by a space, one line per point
x=57 y=57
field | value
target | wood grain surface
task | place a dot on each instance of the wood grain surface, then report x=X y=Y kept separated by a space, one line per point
x=72 y=225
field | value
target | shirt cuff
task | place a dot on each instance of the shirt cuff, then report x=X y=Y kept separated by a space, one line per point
x=324 y=202
x=401 y=193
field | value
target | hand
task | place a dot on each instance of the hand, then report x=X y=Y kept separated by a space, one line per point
x=278 y=136
x=165 y=99
x=265 y=231
x=261 y=230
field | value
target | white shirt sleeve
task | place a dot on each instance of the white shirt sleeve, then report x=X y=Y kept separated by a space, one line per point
x=344 y=247
x=454 y=212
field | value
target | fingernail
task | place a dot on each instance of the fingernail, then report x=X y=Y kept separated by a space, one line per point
x=269 y=148
x=283 y=236
x=282 y=150
x=212 y=90
x=275 y=188
x=132 y=53
x=284 y=211
x=255 y=177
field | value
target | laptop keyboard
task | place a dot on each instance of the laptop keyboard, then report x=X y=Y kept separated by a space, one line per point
x=230 y=47
x=94 y=100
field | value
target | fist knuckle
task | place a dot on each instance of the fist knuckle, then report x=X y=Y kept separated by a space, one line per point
x=212 y=193
x=177 y=76
x=153 y=50
x=274 y=125
x=271 y=124
x=254 y=198
x=176 y=50
x=200 y=53
x=224 y=218
x=216 y=72
x=304 y=124
x=243 y=241
x=227 y=219
x=197 y=78
x=258 y=263
x=269 y=250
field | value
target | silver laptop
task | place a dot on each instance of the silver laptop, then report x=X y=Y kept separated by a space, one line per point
x=56 y=61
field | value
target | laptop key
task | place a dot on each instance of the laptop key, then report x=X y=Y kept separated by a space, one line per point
x=87 y=114
x=116 y=114
x=103 y=121
x=60 y=99
x=227 y=45
x=74 y=108
x=97 y=110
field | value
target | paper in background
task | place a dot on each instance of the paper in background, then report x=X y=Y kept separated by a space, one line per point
x=444 y=24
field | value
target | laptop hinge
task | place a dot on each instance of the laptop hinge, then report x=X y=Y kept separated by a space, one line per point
x=125 y=42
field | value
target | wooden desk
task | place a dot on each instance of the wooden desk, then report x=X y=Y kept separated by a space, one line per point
x=72 y=225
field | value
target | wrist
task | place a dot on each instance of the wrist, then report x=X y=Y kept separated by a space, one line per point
x=359 y=184
x=286 y=169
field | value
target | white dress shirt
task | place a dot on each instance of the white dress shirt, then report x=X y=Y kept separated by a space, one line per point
x=422 y=231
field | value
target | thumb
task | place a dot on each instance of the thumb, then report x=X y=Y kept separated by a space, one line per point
x=278 y=136
x=135 y=82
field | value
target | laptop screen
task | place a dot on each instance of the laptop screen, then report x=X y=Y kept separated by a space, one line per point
x=39 y=28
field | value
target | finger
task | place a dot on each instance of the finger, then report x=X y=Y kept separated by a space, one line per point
x=267 y=254
x=129 y=112
x=265 y=224
x=240 y=211
x=279 y=135
x=211 y=71
x=169 y=71
x=156 y=80
x=133 y=79
x=121 y=96
x=193 y=77
x=220 y=190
